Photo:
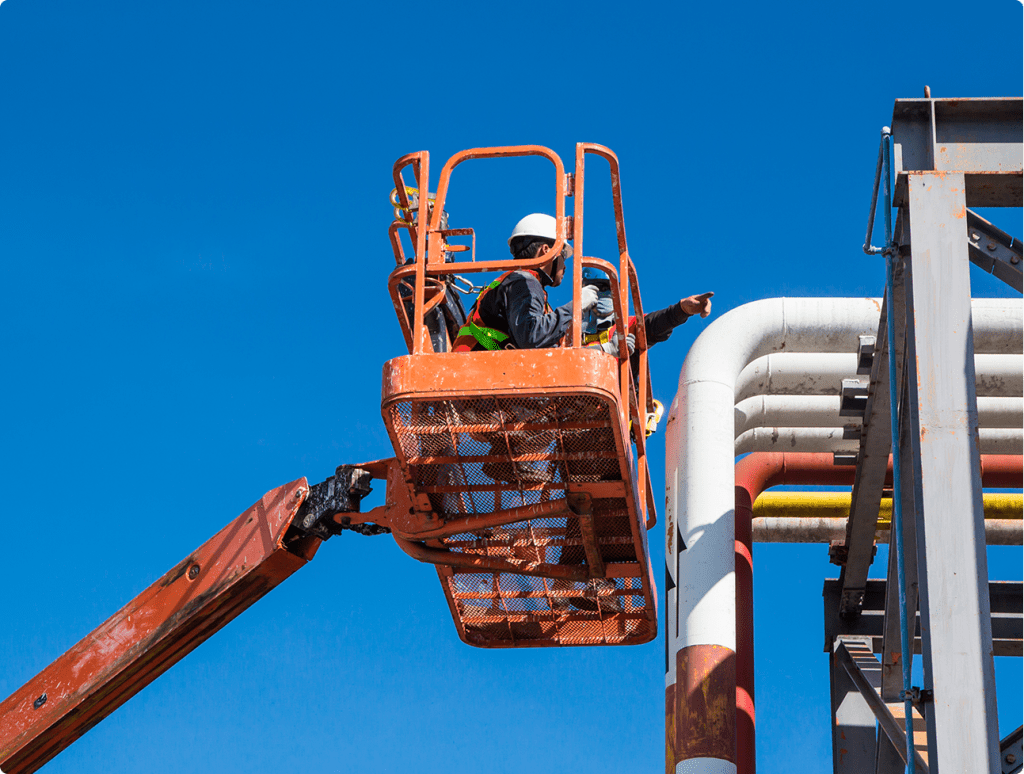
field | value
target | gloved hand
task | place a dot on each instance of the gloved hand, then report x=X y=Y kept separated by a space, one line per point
x=588 y=297
x=612 y=345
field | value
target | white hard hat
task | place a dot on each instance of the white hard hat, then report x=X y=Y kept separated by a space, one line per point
x=536 y=224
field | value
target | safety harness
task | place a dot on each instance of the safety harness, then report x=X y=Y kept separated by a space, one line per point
x=475 y=334
x=603 y=337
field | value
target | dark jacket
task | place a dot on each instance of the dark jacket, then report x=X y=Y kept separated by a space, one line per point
x=519 y=307
x=660 y=324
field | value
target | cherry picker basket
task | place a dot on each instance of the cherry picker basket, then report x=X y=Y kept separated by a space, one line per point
x=528 y=490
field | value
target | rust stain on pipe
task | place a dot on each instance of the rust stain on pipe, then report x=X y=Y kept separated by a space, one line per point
x=705 y=719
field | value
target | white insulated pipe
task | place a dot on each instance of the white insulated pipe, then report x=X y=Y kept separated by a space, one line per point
x=847 y=439
x=799 y=373
x=822 y=529
x=699 y=523
x=823 y=411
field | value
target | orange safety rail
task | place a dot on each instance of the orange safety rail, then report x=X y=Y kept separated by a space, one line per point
x=524 y=481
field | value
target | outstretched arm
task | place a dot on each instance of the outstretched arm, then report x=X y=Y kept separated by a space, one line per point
x=697 y=304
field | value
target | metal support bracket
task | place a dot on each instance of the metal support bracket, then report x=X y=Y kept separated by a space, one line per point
x=995 y=251
x=853 y=398
x=865 y=354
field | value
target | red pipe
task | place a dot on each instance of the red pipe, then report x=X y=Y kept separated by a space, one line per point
x=760 y=471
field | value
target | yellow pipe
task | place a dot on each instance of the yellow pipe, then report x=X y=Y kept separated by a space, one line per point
x=836 y=505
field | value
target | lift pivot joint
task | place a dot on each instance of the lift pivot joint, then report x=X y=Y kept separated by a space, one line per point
x=341 y=493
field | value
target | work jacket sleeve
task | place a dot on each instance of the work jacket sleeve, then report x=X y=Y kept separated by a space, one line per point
x=659 y=325
x=530 y=325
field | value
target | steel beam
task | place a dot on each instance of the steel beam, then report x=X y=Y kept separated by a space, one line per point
x=978 y=137
x=872 y=463
x=1005 y=601
x=854 y=657
x=892 y=657
x=1012 y=752
x=995 y=251
x=943 y=426
x=853 y=722
x=887 y=758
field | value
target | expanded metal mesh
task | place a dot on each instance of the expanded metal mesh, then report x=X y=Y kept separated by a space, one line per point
x=493 y=453
x=474 y=457
x=508 y=609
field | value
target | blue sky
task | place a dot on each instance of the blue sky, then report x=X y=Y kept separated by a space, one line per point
x=193 y=228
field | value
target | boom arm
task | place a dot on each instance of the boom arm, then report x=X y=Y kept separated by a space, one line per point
x=154 y=631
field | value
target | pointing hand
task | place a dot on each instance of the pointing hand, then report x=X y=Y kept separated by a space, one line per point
x=697 y=304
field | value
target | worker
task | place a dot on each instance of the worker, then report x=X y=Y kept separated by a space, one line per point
x=512 y=312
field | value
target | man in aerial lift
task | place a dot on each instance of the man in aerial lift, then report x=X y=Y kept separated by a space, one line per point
x=512 y=312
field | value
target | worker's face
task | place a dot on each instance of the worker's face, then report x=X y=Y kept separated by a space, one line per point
x=556 y=269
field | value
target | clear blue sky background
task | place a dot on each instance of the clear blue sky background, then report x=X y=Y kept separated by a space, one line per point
x=193 y=217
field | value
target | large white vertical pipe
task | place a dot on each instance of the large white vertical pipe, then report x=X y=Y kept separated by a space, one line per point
x=699 y=524
x=700 y=513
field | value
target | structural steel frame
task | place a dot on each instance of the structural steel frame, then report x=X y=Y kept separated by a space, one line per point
x=949 y=155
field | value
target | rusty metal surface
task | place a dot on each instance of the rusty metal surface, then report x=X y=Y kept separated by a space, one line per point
x=163 y=624
x=522 y=479
x=538 y=536
x=979 y=137
x=704 y=720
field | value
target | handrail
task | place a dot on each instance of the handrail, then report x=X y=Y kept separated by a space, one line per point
x=416 y=161
x=396 y=241
x=397 y=278
x=883 y=167
x=494 y=153
x=613 y=164
x=418 y=325
x=883 y=164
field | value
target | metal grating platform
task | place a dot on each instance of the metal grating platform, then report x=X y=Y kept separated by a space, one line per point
x=487 y=454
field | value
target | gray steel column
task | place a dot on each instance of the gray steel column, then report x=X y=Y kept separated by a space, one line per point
x=952 y=567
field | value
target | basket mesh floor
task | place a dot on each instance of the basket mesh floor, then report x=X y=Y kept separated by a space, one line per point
x=487 y=454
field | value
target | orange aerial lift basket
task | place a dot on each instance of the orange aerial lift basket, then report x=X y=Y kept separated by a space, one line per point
x=520 y=474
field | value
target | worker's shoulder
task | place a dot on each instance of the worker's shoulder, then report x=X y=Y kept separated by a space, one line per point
x=523 y=275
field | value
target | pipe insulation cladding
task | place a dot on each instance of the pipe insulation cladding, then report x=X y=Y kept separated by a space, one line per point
x=798 y=373
x=700 y=480
x=823 y=411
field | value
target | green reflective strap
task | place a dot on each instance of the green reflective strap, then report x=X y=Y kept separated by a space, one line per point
x=489 y=338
